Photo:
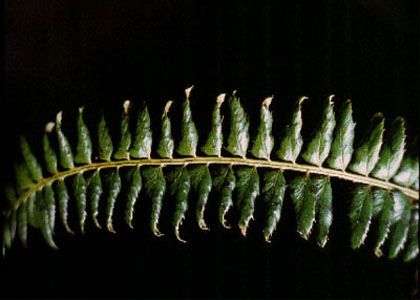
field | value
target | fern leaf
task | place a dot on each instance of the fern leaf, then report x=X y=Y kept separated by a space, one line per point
x=122 y=151
x=201 y=183
x=342 y=144
x=113 y=192
x=66 y=154
x=142 y=143
x=383 y=204
x=180 y=185
x=50 y=157
x=247 y=190
x=323 y=196
x=303 y=198
x=402 y=221
x=214 y=142
x=43 y=219
x=84 y=143
x=49 y=199
x=155 y=185
x=30 y=208
x=291 y=142
x=273 y=194
x=166 y=143
x=361 y=214
x=79 y=187
x=105 y=145
x=23 y=177
x=95 y=192
x=22 y=221
x=392 y=152
x=9 y=228
x=319 y=146
x=63 y=199
x=31 y=162
x=264 y=141
x=413 y=236
x=224 y=182
x=408 y=172
x=367 y=154
x=238 y=138
x=189 y=136
x=132 y=195
x=35 y=200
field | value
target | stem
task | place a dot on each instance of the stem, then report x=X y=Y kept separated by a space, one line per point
x=238 y=161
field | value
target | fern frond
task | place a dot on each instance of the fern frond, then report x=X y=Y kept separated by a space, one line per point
x=384 y=174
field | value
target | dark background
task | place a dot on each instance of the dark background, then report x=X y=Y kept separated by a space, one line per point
x=63 y=54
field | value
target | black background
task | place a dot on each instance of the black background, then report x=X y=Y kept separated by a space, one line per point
x=63 y=54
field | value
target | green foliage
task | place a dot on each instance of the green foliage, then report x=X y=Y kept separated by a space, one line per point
x=318 y=148
x=84 y=144
x=166 y=143
x=142 y=143
x=292 y=141
x=201 y=183
x=224 y=183
x=264 y=141
x=180 y=185
x=105 y=146
x=367 y=154
x=213 y=145
x=247 y=190
x=236 y=180
x=189 y=136
x=361 y=214
x=273 y=190
x=132 y=195
x=66 y=154
x=238 y=140
x=122 y=151
x=342 y=145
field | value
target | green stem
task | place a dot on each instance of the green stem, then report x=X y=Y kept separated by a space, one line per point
x=237 y=161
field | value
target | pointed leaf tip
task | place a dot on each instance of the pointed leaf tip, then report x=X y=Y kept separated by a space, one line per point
x=59 y=117
x=126 y=106
x=168 y=106
x=221 y=98
x=188 y=91
x=301 y=99
x=267 y=101
x=49 y=127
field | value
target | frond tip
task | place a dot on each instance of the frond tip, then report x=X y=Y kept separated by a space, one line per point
x=385 y=175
